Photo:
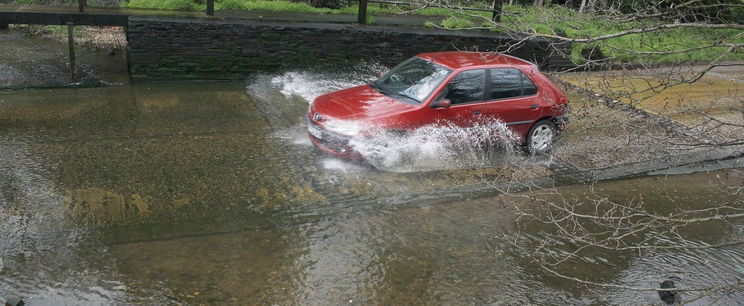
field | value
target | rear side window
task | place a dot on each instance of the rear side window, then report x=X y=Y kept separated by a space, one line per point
x=466 y=87
x=509 y=83
x=528 y=87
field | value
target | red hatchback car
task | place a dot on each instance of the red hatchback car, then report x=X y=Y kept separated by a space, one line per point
x=459 y=88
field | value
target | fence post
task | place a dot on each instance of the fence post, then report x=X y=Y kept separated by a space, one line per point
x=362 y=15
x=81 y=5
x=210 y=7
x=497 y=7
x=71 y=42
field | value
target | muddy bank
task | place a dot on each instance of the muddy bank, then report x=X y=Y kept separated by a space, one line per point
x=109 y=38
x=28 y=60
x=711 y=105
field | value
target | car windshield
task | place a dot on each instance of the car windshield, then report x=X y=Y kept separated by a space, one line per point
x=414 y=79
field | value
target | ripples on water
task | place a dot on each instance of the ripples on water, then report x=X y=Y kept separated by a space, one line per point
x=41 y=255
x=166 y=142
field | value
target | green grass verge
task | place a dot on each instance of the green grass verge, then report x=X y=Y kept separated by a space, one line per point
x=279 y=6
x=61 y=31
x=164 y=4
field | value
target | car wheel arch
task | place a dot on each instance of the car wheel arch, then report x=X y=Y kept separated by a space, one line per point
x=527 y=138
x=551 y=118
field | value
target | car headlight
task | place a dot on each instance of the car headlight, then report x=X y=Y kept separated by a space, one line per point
x=344 y=127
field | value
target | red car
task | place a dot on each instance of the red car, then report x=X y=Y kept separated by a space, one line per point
x=460 y=88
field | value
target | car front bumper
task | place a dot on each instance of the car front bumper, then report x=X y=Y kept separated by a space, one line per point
x=335 y=144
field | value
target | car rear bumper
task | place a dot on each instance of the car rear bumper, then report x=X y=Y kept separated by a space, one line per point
x=561 y=121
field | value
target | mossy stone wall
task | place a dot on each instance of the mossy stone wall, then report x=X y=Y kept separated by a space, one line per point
x=210 y=49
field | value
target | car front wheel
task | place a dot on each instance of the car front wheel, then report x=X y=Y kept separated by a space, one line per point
x=540 y=137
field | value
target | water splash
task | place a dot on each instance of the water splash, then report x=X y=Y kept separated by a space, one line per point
x=343 y=166
x=442 y=146
x=311 y=84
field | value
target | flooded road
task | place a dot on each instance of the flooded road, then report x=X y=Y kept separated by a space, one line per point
x=30 y=61
x=206 y=193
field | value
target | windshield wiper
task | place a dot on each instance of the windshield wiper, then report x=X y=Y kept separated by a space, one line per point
x=398 y=95
x=409 y=97
x=380 y=89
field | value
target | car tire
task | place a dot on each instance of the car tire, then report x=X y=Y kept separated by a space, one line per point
x=540 y=137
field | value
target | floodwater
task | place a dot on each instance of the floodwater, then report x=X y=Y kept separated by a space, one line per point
x=29 y=61
x=192 y=193
x=210 y=193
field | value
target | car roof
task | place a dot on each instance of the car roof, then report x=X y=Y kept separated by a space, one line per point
x=460 y=59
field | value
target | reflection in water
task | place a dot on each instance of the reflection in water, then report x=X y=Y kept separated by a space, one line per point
x=450 y=253
x=42 y=62
x=199 y=193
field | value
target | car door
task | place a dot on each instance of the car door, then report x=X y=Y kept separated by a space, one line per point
x=465 y=91
x=512 y=98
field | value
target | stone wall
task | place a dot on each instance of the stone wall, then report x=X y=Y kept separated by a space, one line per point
x=210 y=49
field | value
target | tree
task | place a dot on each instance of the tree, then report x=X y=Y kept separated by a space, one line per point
x=643 y=51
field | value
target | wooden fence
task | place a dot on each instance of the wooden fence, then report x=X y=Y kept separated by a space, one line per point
x=362 y=14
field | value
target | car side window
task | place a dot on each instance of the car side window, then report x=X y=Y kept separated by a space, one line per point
x=528 y=88
x=466 y=87
x=509 y=83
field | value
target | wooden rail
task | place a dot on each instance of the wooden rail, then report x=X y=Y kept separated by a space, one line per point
x=102 y=18
x=496 y=10
x=82 y=4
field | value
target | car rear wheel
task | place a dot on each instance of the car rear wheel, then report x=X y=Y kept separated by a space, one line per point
x=540 y=137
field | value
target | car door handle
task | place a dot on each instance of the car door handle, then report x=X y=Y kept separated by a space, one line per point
x=534 y=106
x=476 y=113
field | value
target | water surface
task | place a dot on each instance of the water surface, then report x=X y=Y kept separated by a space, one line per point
x=211 y=193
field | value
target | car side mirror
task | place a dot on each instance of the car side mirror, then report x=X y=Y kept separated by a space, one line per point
x=446 y=103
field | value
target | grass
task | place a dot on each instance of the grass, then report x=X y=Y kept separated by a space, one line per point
x=165 y=4
x=454 y=22
x=92 y=3
x=279 y=6
x=61 y=31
